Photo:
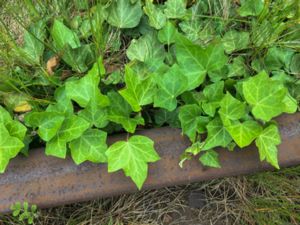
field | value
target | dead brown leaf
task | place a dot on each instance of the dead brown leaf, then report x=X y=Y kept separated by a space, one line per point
x=51 y=64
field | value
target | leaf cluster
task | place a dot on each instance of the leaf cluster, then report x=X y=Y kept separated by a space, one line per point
x=130 y=64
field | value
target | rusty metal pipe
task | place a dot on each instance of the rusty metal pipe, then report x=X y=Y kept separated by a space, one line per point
x=49 y=181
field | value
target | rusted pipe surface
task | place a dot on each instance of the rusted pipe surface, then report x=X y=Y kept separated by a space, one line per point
x=49 y=181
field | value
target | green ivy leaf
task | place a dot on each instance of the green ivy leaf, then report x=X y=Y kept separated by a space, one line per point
x=157 y=18
x=167 y=34
x=123 y=14
x=211 y=159
x=265 y=96
x=237 y=68
x=191 y=121
x=95 y=114
x=235 y=40
x=146 y=48
x=63 y=36
x=175 y=9
x=231 y=109
x=72 y=128
x=139 y=91
x=91 y=146
x=290 y=104
x=170 y=85
x=85 y=89
x=33 y=41
x=217 y=135
x=196 y=61
x=266 y=143
x=48 y=123
x=244 y=133
x=213 y=94
x=9 y=147
x=163 y=116
x=132 y=156
x=120 y=113
x=251 y=7
x=278 y=58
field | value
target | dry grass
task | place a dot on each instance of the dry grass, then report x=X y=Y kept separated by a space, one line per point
x=266 y=198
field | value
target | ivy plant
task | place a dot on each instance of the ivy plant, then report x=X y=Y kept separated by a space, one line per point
x=127 y=65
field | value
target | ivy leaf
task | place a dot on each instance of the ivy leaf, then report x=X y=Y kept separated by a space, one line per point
x=266 y=143
x=163 y=116
x=132 y=156
x=251 y=7
x=191 y=121
x=196 y=61
x=72 y=128
x=211 y=159
x=146 y=48
x=265 y=96
x=290 y=104
x=231 y=109
x=213 y=94
x=33 y=41
x=244 y=133
x=278 y=58
x=95 y=114
x=157 y=18
x=167 y=34
x=9 y=147
x=237 y=68
x=120 y=113
x=63 y=36
x=235 y=40
x=85 y=89
x=48 y=123
x=217 y=135
x=123 y=14
x=16 y=129
x=175 y=9
x=139 y=91
x=170 y=85
x=295 y=65
x=91 y=146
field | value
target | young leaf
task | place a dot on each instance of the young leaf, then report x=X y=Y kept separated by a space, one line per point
x=217 y=135
x=63 y=36
x=156 y=17
x=139 y=91
x=120 y=112
x=91 y=146
x=132 y=156
x=265 y=96
x=251 y=7
x=244 y=133
x=175 y=9
x=146 y=48
x=266 y=143
x=191 y=121
x=170 y=85
x=9 y=147
x=72 y=128
x=123 y=14
x=231 y=109
x=235 y=40
x=211 y=159
x=167 y=34
x=290 y=104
